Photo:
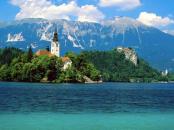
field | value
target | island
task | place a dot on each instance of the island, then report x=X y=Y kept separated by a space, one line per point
x=46 y=65
x=89 y=66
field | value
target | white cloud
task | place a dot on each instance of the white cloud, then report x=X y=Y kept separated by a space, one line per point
x=90 y=13
x=122 y=4
x=152 y=19
x=46 y=9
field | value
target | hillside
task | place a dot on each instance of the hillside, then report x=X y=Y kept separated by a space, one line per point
x=151 y=44
x=114 y=67
x=111 y=66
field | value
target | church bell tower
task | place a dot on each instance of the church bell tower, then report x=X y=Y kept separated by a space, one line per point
x=55 y=46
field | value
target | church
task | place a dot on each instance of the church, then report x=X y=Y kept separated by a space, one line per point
x=55 y=51
x=55 y=48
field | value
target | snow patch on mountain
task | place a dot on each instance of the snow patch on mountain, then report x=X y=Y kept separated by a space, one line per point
x=15 y=37
x=122 y=24
x=74 y=42
x=92 y=42
x=139 y=37
x=44 y=32
x=171 y=32
x=33 y=45
x=46 y=37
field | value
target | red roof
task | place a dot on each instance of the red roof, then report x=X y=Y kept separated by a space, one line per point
x=44 y=52
x=65 y=59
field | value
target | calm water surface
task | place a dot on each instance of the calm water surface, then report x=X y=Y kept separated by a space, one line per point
x=108 y=106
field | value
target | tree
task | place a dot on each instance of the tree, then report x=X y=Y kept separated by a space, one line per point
x=71 y=75
x=5 y=73
x=29 y=54
x=16 y=71
x=26 y=72
x=8 y=54
x=48 y=48
x=54 y=68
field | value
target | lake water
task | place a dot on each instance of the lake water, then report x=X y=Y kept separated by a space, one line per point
x=108 y=106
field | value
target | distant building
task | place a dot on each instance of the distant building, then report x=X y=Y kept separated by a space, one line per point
x=130 y=54
x=67 y=62
x=55 y=51
x=165 y=73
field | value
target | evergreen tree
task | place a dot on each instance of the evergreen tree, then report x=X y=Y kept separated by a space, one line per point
x=8 y=54
x=29 y=54
x=48 y=48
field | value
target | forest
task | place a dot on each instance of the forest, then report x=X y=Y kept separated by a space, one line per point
x=108 y=66
x=19 y=66
x=114 y=67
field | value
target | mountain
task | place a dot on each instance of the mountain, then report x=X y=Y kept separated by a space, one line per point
x=150 y=43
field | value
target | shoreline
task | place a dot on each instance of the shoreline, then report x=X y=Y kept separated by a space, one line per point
x=94 y=82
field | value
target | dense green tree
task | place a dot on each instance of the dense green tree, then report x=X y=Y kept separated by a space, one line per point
x=5 y=73
x=16 y=71
x=171 y=76
x=29 y=54
x=26 y=72
x=54 y=68
x=71 y=75
x=8 y=54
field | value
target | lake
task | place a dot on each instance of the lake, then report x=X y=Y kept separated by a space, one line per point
x=107 y=106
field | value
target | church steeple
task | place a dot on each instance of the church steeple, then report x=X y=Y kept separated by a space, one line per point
x=55 y=46
x=55 y=38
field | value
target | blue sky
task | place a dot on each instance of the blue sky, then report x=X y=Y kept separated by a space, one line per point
x=157 y=13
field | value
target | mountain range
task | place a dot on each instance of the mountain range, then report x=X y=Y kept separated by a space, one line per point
x=150 y=43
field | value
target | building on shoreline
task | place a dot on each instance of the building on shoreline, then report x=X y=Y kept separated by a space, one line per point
x=67 y=62
x=165 y=73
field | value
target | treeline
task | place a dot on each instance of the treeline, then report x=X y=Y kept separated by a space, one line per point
x=110 y=66
x=8 y=54
x=16 y=65
x=114 y=67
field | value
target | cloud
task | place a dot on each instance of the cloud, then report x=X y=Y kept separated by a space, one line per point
x=46 y=9
x=122 y=4
x=152 y=19
x=90 y=13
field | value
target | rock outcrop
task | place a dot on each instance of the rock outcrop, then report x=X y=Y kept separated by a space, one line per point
x=130 y=54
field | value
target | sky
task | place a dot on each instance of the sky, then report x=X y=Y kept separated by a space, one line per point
x=156 y=13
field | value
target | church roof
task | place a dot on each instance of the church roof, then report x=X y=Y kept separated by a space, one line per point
x=44 y=52
x=65 y=59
